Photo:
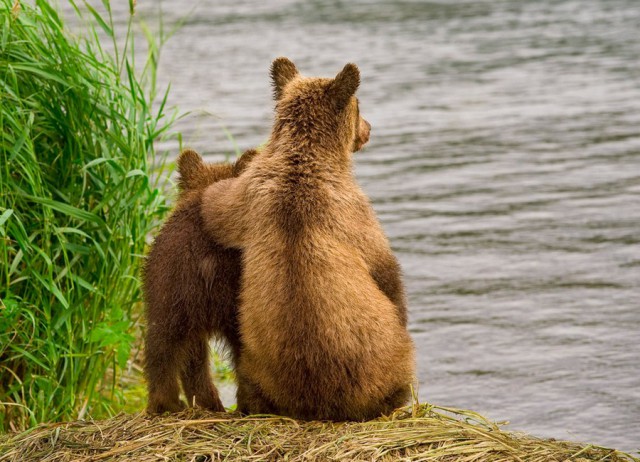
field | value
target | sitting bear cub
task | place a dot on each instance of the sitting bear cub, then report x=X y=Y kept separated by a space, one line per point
x=322 y=318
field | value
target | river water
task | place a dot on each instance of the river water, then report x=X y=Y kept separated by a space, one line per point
x=504 y=164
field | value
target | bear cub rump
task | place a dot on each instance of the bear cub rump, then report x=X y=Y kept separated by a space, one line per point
x=322 y=314
x=191 y=286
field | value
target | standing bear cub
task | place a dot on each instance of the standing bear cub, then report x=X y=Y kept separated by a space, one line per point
x=321 y=316
x=191 y=286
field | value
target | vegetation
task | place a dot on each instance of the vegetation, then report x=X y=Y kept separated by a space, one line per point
x=77 y=202
x=415 y=433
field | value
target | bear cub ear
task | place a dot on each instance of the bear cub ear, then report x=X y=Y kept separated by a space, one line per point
x=345 y=84
x=282 y=72
x=189 y=163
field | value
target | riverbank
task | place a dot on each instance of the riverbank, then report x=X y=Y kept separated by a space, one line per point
x=421 y=432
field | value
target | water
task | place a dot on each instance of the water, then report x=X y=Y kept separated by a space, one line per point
x=504 y=165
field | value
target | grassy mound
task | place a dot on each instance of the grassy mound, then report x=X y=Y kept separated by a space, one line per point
x=423 y=432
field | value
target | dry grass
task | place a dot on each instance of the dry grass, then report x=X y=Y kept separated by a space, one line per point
x=421 y=432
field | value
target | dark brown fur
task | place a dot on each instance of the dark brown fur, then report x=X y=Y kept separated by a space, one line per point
x=322 y=315
x=191 y=286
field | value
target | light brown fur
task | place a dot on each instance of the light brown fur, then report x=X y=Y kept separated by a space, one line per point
x=322 y=315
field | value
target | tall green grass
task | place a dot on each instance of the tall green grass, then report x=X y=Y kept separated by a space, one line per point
x=77 y=201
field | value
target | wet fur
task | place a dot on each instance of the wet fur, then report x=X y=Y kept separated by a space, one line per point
x=191 y=286
x=322 y=315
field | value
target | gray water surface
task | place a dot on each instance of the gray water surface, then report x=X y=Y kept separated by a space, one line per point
x=504 y=165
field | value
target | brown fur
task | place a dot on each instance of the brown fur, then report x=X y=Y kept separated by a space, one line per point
x=191 y=287
x=322 y=315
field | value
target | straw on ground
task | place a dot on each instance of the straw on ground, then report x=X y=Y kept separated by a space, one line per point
x=420 y=432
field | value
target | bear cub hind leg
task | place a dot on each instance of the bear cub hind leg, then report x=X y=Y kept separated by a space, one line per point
x=197 y=382
x=162 y=360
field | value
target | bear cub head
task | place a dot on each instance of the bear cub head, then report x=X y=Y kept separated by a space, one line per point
x=314 y=112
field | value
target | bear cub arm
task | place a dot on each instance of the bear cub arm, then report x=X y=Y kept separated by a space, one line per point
x=224 y=211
